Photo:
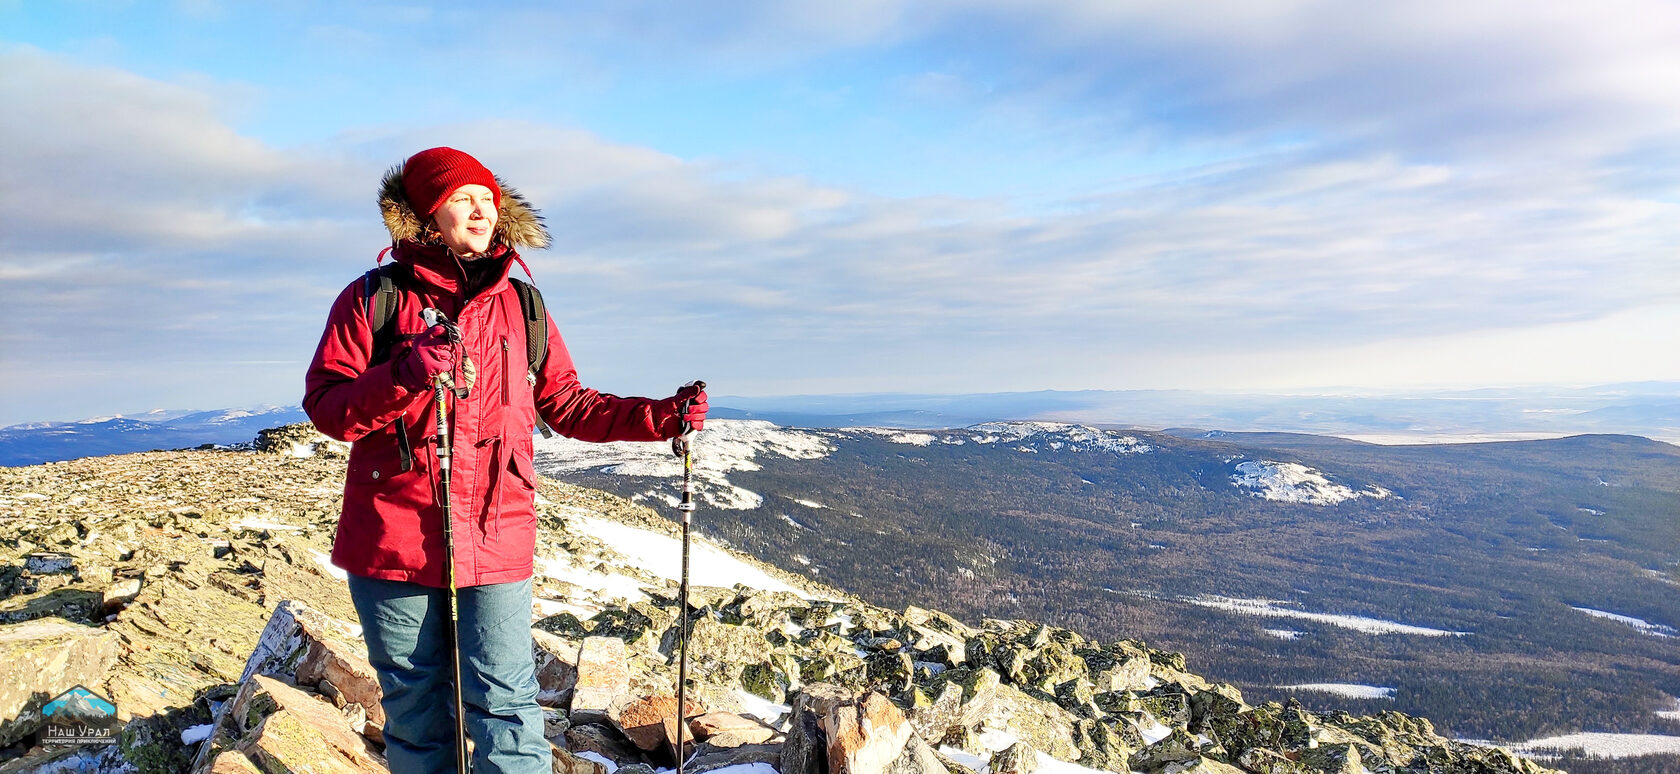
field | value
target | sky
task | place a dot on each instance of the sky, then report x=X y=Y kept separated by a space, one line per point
x=879 y=196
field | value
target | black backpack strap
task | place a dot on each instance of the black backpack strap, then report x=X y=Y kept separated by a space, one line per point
x=536 y=336
x=379 y=293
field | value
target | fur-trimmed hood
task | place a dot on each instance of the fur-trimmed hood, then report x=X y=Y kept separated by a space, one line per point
x=518 y=224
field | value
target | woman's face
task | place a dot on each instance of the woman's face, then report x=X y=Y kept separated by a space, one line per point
x=467 y=219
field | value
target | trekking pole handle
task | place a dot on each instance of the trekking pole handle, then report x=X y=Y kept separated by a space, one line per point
x=434 y=317
x=688 y=430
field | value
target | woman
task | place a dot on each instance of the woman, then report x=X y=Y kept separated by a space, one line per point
x=454 y=228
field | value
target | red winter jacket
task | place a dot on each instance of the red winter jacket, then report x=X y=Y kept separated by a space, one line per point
x=391 y=526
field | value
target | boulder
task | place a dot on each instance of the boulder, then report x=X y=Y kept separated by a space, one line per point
x=727 y=730
x=43 y=658
x=1043 y=724
x=771 y=679
x=643 y=720
x=865 y=735
x=1177 y=747
x=49 y=562
x=306 y=647
x=805 y=751
x=1106 y=744
x=918 y=758
x=707 y=757
x=1018 y=758
x=603 y=675
x=556 y=665
x=1200 y=766
x=603 y=741
x=281 y=728
x=567 y=762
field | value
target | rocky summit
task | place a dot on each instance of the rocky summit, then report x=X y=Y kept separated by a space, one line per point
x=192 y=592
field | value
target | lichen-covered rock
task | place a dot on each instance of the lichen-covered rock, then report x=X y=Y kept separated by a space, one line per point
x=1199 y=766
x=300 y=440
x=280 y=728
x=771 y=679
x=1177 y=747
x=707 y=757
x=603 y=675
x=556 y=663
x=1018 y=758
x=603 y=741
x=1105 y=744
x=643 y=720
x=864 y=735
x=567 y=762
x=805 y=750
x=726 y=730
x=1043 y=724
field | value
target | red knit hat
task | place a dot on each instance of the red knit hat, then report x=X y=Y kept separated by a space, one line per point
x=431 y=175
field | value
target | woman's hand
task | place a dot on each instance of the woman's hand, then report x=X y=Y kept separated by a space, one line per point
x=431 y=354
x=691 y=405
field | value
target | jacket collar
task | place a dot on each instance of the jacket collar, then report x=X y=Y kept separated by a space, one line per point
x=438 y=267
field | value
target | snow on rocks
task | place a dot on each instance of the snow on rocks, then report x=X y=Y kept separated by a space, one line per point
x=731 y=445
x=892 y=435
x=1292 y=482
x=1057 y=436
x=661 y=556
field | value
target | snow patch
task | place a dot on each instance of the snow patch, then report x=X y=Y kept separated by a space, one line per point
x=325 y=560
x=610 y=585
x=661 y=556
x=1271 y=609
x=1672 y=714
x=196 y=734
x=1642 y=625
x=1601 y=745
x=1058 y=436
x=1283 y=634
x=725 y=446
x=601 y=759
x=891 y=435
x=810 y=503
x=258 y=523
x=1291 y=482
x=760 y=707
x=1350 y=690
x=1154 y=731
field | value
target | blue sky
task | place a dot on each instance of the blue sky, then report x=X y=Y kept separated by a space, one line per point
x=888 y=196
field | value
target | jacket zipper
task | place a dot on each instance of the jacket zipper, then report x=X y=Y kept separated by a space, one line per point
x=504 y=371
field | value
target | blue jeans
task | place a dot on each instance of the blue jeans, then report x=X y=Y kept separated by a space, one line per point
x=405 y=626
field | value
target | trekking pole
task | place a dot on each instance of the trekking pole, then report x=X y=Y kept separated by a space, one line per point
x=442 y=387
x=681 y=447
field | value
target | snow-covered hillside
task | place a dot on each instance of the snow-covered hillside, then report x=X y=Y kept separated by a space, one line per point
x=1292 y=482
x=729 y=446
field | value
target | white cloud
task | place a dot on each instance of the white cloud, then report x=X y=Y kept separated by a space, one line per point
x=1366 y=246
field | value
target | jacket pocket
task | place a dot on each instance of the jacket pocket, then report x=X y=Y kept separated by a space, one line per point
x=519 y=462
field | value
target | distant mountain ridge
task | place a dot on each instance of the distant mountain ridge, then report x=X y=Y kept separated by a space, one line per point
x=37 y=442
x=1650 y=409
x=1507 y=590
